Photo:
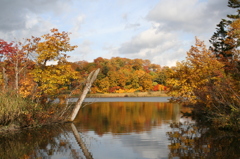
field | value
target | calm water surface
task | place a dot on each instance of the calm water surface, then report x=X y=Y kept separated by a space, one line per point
x=120 y=130
x=126 y=99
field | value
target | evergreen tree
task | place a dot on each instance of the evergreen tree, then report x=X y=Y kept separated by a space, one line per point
x=234 y=4
x=222 y=43
x=218 y=40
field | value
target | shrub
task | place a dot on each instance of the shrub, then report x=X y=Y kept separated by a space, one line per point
x=12 y=107
x=24 y=113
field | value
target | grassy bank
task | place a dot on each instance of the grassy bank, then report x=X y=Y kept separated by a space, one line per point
x=17 y=112
x=135 y=94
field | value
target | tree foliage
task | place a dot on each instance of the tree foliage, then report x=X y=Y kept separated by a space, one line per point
x=119 y=75
x=26 y=65
x=223 y=43
x=193 y=75
x=27 y=76
x=209 y=79
x=27 y=68
x=51 y=79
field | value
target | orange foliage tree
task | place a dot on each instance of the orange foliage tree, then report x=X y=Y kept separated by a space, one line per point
x=119 y=75
x=51 y=79
x=202 y=81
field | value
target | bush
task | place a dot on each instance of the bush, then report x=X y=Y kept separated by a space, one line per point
x=12 y=107
x=23 y=112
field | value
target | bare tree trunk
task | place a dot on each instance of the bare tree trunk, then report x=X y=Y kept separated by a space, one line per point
x=91 y=78
x=16 y=77
x=82 y=145
x=5 y=78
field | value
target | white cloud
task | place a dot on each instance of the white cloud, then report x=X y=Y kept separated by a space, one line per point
x=82 y=52
x=158 y=30
x=148 y=39
x=192 y=16
x=132 y=26
x=170 y=57
x=157 y=46
x=78 y=22
x=175 y=24
x=31 y=20
x=22 y=19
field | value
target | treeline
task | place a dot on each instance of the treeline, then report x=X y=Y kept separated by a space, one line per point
x=209 y=78
x=119 y=75
x=29 y=83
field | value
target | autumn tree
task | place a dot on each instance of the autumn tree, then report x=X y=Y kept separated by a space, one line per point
x=193 y=75
x=208 y=79
x=202 y=82
x=103 y=84
x=14 y=60
x=161 y=76
x=123 y=75
x=51 y=79
x=145 y=79
x=6 y=49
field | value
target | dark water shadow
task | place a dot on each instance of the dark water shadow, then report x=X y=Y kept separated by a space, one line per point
x=190 y=140
x=46 y=142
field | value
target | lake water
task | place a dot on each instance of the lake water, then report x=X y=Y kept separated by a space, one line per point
x=124 y=99
x=118 y=128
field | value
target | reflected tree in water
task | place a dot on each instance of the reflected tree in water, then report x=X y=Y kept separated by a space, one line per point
x=188 y=140
x=40 y=143
x=125 y=117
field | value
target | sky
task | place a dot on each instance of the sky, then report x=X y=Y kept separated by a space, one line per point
x=161 y=31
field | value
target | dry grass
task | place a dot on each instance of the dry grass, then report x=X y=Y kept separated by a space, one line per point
x=12 y=107
x=19 y=112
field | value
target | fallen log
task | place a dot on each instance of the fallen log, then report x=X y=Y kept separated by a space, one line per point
x=91 y=78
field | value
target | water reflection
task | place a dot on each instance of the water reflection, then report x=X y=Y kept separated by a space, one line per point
x=34 y=143
x=59 y=141
x=81 y=143
x=105 y=130
x=126 y=117
x=189 y=140
x=117 y=130
x=129 y=129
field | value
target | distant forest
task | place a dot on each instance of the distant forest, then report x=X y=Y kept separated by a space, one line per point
x=119 y=75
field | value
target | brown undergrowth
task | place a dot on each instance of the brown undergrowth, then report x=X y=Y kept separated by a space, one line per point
x=17 y=112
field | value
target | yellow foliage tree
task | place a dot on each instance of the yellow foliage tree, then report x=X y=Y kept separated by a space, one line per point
x=193 y=75
x=145 y=79
x=27 y=87
x=51 y=79
x=103 y=84
x=54 y=78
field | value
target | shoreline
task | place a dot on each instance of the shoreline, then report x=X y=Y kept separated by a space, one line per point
x=12 y=128
x=135 y=94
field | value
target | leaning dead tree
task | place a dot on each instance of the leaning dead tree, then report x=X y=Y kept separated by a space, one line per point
x=91 y=78
x=81 y=143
